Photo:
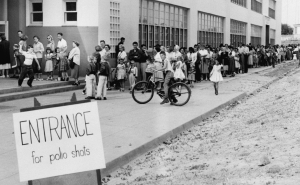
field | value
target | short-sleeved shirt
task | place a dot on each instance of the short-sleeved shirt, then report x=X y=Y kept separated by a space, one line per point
x=62 y=44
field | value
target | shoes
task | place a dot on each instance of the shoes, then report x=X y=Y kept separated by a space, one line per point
x=98 y=98
x=2 y=76
x=83 y=92
x=30 y=85
x=67 y=79
x=89 y=98
x=174 y=100
x=104 y=98
x=109 y=89
x=164 y=101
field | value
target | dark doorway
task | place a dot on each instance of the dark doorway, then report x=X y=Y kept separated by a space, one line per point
x=267 y=35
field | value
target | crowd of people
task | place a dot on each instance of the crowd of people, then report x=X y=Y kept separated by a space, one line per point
x=190 y=65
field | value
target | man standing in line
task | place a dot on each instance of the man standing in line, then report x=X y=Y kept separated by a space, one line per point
x=246 y=53
x=63 y=46
x=242 y=57
x=62 y=43
x=135 y=55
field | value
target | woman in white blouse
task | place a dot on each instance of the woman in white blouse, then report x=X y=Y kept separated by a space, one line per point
x=75 y=55
x=122 y=54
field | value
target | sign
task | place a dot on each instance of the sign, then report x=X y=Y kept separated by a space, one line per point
x=58 y=141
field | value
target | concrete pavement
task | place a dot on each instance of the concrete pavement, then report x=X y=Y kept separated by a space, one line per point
x=130 y=129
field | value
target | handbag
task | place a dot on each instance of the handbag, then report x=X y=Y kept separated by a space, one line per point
x=72 y=64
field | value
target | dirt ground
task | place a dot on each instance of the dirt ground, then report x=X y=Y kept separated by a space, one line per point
x=253 y=141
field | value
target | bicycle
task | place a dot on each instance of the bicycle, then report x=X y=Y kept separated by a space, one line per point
x=143 y=92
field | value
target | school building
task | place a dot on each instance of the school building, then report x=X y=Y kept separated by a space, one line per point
x=151 y=22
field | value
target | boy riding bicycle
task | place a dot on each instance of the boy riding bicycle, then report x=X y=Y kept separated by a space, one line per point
x=168 y=68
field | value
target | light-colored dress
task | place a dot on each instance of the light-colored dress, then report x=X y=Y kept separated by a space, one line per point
x=178 y=72
x=250 y=58
x=121 y=71
x=159 y=75
x=216 y=75
x=133 y=73
x=49 y=63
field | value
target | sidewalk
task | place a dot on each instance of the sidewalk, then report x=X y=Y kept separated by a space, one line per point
x=130 y=129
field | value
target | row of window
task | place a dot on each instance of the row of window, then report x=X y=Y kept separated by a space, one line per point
x=36 y=12
x=210 y=23
x=162 y=14
x=242 y=3
x=256 y=5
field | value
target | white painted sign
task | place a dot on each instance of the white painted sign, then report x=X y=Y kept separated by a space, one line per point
x=58 y=141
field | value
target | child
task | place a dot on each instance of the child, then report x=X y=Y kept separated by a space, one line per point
x=216 y=76
x=62 y=63
x=191 y=73
x=90 y=77
x=121 y=75
x=49 y=64
x=237 y=63
x=149 y=69
x=178 y=74
x=255 y=60
x=133 y=73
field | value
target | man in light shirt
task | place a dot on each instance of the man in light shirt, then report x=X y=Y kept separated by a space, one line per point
x=62 y=43
x=246 y=53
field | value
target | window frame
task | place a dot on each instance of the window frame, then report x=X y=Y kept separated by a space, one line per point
x=65 y=12
x=242 y=3
x=31 y=12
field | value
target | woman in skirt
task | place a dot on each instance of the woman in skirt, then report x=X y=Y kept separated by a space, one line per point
x=75 y=55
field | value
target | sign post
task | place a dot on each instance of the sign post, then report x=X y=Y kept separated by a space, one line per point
x=60 y=139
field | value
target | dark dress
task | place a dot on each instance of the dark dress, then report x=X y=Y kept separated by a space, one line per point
x=4 y=54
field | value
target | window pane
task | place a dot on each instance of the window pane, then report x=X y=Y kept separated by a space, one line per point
x=71 y=16
x=71 y=6
x=37 y=7
x=37 y=17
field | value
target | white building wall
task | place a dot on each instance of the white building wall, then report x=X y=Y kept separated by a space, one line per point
x=223 y=8
x=53 y=12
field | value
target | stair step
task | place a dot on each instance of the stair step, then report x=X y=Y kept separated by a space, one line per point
x=38 y=92
x=35 y=87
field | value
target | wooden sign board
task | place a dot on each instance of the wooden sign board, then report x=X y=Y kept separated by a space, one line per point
x=58 y=141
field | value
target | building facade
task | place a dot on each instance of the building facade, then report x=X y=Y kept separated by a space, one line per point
x=150 y=22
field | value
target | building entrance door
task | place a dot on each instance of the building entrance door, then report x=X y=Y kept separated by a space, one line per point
x=267 y=35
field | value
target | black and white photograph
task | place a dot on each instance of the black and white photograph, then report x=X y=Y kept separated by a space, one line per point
x=149 y=92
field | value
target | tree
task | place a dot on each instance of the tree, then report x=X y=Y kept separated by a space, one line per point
x=286 y=29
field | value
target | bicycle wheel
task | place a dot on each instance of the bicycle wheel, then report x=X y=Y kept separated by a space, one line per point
x=179 y=94
x=143 y=92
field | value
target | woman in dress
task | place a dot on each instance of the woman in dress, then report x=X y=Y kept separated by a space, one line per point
x=38 y=49
x=50 y=43
x=192 y=57
x=159 y=76
x=250 y=58
x=61 y=63
x=216 y=76
x=4 y=56
x=75 y=56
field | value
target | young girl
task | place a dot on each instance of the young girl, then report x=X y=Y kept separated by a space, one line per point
x=216 y=76
x=90 y=77
x=191 y=73
x=121 y=75
x=255 y=60
x=49 y=63
x=237 y=62
x=62 y=64
x=178 y=74
x=133 y=73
